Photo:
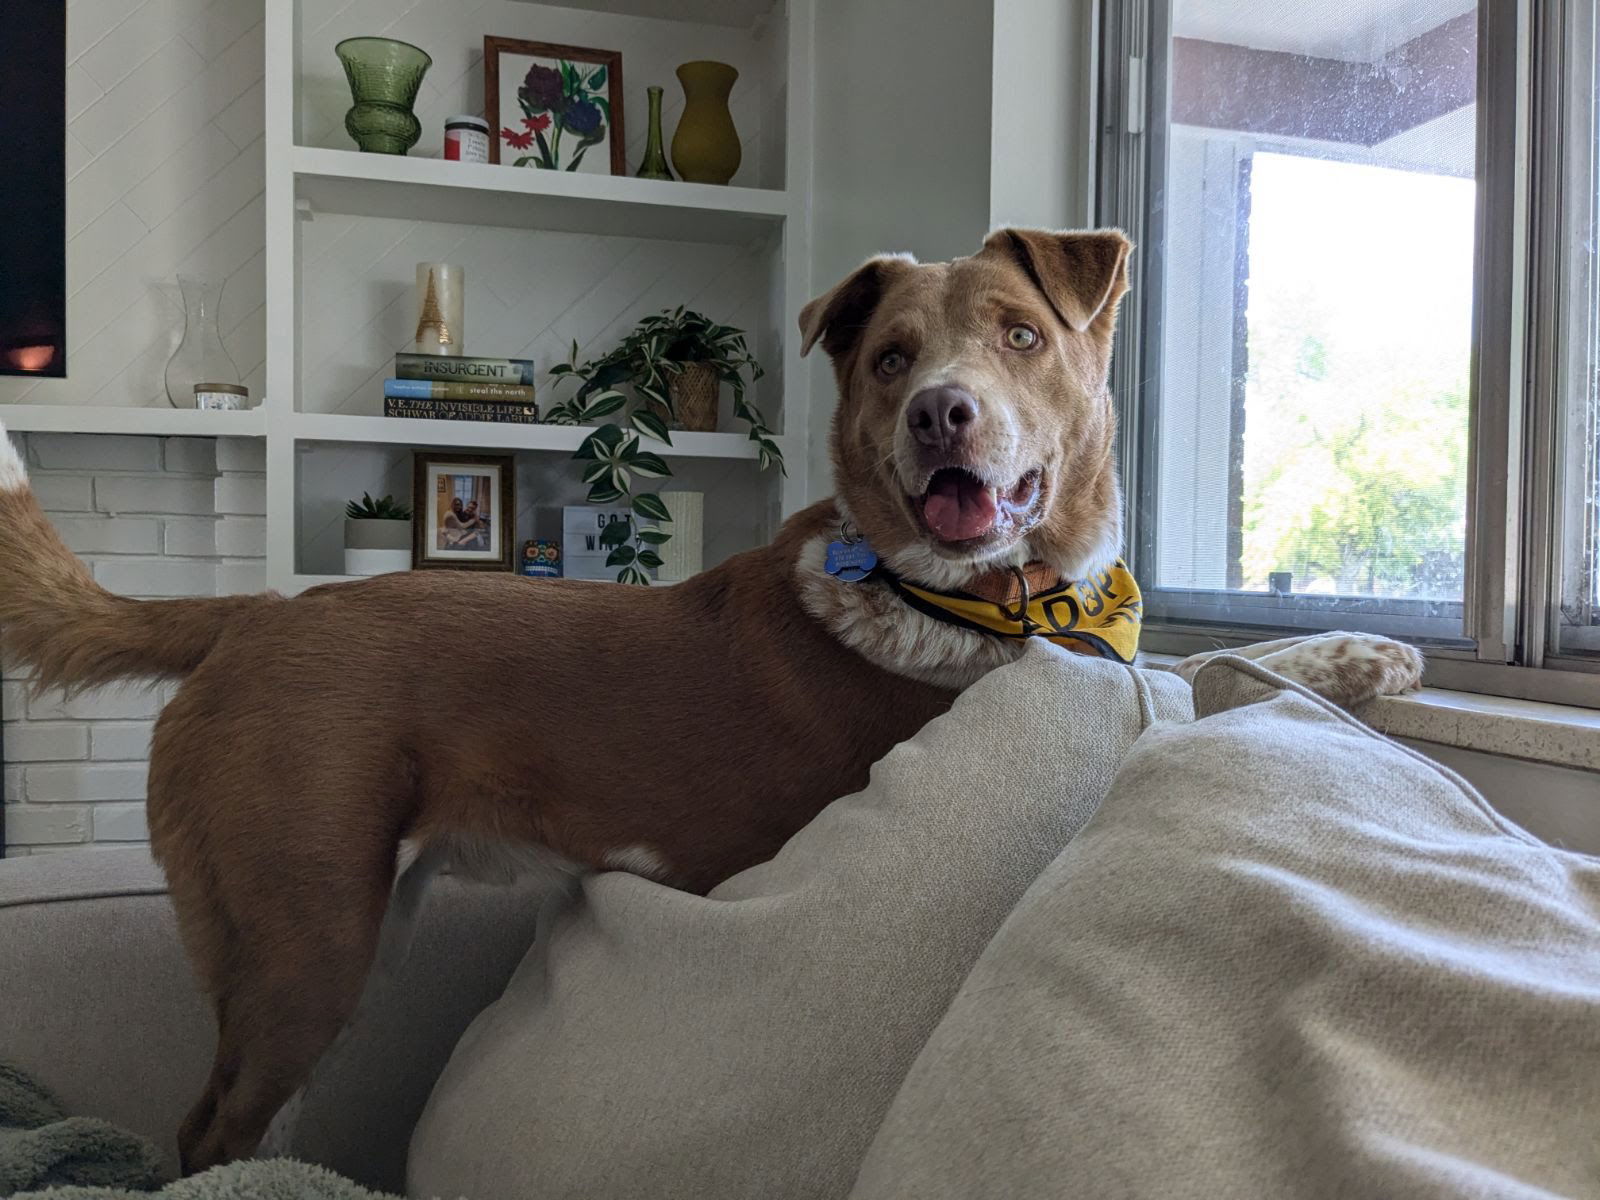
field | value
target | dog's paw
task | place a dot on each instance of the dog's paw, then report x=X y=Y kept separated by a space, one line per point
x=1347 y=668
x=1350 y=668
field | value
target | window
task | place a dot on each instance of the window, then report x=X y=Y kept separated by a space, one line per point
x=1359 y=370
x=1576 y=609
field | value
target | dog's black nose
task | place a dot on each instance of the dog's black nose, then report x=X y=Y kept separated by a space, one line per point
x=941 y=416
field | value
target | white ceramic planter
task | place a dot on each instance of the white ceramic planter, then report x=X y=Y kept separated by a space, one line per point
x=376 y=547
x=376 y=562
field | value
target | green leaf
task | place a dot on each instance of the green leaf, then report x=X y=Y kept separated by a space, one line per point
x=598 y=79
x=653 y=537
x=649 y=558
x=769 y=454
x=651 y=466
x=649 y=504
x=607 y=439
x=633 y=575
x=591 y=447
x=604 y=493
x=647 y=423
x=621 y=556
x=603 y=404
x=615 y=533
x=596 y=470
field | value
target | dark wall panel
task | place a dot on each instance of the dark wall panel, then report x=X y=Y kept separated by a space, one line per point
x=33 y=189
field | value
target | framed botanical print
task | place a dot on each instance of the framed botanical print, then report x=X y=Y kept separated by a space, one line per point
x=554 y=107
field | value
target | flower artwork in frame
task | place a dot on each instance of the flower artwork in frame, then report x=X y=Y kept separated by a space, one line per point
x=554 y=107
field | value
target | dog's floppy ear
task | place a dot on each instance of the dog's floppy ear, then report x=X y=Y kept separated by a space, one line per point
x=840 y=314
x=1082 y=274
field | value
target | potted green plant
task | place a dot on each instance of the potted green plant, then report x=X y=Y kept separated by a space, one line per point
x=377 y=536
x=676 y=361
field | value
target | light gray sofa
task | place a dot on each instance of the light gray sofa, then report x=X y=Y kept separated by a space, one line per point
x=1264 y=952
x=98 y=1002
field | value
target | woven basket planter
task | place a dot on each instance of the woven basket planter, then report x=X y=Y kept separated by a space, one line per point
x=694 y=393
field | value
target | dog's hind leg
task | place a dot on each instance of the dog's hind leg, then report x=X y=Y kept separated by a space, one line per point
x=289 y=982
x=414 y=873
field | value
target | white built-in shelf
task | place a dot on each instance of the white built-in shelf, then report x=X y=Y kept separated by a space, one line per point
x=299 y=583
x=430 y=189
x=738 y=13
x=487 y=435
x=162 y=422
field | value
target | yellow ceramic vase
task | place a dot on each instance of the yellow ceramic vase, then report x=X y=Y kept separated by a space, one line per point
x=705 y=148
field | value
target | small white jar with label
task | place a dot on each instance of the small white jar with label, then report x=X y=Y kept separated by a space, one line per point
x=466 y=139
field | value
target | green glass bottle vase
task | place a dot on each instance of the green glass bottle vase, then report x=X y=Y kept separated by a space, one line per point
x=384 y=77
x=654 y=163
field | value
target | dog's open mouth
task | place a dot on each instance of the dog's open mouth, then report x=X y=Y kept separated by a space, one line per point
x=957 y=506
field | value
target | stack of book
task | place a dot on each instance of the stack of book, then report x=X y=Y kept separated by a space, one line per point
x=454 y=388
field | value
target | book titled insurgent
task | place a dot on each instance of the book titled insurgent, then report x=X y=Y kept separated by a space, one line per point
x=449 y=367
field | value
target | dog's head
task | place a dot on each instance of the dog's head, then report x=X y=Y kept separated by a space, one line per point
x=974 y=430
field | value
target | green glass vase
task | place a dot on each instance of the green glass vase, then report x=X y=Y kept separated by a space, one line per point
x=384 y=77
x=654 y=163
x=705 y=147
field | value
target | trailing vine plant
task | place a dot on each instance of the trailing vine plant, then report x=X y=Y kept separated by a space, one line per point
x=647 y=360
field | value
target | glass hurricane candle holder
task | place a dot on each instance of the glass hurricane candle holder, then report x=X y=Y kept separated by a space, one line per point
x=200 y=358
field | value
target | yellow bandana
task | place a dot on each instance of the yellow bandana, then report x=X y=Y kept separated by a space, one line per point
x=1103 y=611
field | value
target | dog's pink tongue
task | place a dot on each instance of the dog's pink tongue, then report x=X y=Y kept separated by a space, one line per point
x=957 y=507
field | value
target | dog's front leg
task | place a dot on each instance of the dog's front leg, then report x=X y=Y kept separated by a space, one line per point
x=1346 y=668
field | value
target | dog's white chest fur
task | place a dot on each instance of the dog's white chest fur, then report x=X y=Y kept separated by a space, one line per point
x=889 y=633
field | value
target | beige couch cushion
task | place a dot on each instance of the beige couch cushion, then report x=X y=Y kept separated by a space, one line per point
x=1287 y=958
x=655 y=1044
x=98 y=1002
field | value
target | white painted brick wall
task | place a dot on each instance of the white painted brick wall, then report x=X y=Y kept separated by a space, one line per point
x=148 y=516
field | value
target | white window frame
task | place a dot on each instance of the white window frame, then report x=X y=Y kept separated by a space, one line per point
x=1516 y=539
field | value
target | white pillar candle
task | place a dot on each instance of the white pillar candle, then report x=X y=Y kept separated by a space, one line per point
x=682 y=554
x=441 y=308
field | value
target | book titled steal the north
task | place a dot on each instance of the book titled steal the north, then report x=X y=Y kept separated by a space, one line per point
x=438 y=389
x=449 y=368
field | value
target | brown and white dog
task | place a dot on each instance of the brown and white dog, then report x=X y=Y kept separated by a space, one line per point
x=974 y=434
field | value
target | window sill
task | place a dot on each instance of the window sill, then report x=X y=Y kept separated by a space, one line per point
x=1526 y=729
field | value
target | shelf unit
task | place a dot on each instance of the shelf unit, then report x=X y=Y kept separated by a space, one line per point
x=309 y=177
x=741 y=252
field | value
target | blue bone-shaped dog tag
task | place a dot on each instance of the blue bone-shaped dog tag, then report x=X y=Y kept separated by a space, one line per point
x=851 y=561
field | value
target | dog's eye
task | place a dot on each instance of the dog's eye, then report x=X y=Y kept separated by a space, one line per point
x=891 y=362
x=1022 y=337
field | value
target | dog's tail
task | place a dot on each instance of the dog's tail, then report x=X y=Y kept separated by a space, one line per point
x=56 y=619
